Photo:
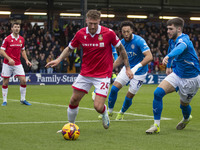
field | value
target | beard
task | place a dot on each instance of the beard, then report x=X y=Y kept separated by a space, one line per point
x=174 y=36
x=129 y=39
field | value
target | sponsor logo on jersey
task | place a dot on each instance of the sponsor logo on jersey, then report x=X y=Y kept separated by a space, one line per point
x=90 y=44
x=101 y=44
x=16 y=45
x=100 y=38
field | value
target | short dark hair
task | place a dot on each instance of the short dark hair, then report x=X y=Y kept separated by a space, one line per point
x=177 y=22
x=93 y=14
x=127 y=23
x=15 y=23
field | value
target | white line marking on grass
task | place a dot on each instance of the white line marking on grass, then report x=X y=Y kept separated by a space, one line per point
x=47 y=104
x=81 y=121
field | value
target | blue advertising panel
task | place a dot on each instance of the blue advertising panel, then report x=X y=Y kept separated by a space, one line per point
x=60 y=78
x=45 y=79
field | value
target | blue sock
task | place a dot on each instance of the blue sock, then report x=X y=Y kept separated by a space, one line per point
x=159 y=93
x=186 y=111
x=112 y=97
x=127 y=103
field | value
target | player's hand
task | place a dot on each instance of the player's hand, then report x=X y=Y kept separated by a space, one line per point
x=168 y=71
x=165 y=60
x=28 y=63
x=11 y=62
x=129 y=73
x=52 y=63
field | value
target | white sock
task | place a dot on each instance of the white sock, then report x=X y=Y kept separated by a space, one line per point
x=23 y=93
x=5 y=93
x=105 y=111
x=121 y=112
x=72 y=113
x=110 y=110
x=157 y=122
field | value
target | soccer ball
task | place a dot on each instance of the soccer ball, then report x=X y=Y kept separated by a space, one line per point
x=70 y=131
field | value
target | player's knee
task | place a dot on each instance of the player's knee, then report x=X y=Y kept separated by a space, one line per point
x=159 y=93
x=23 y=82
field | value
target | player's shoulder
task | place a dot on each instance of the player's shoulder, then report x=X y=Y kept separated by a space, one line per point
x=183 y=38
x=81 y=31
x=9 y=37
x=21 y=37
x=106 y=30
x=138 y=39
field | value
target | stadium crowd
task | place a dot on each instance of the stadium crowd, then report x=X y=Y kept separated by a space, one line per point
x=42 y=46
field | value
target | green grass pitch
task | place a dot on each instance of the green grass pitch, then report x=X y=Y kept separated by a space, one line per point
x=34 y=127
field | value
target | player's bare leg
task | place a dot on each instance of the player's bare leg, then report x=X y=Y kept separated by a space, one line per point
x=99 y=105
x=72 y=110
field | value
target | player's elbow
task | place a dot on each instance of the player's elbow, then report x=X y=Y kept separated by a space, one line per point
x=150 y=57
x=1 y=52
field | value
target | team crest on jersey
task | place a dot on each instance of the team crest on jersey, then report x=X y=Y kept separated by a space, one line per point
x=85 y=37
x=20 y=41
x=100 y=38
x=11 y=40
x=132 y=46
x=180 y=40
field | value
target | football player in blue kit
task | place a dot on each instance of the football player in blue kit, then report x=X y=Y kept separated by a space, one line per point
x=139 y=55
x=183 y=77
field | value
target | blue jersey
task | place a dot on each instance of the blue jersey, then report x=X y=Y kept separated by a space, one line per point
x=185 y=60
x=134 y=50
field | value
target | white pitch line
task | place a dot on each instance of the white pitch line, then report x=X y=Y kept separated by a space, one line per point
x=81 y=121
x=47 y=104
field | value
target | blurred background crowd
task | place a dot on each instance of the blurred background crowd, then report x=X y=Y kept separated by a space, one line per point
x=43 y=46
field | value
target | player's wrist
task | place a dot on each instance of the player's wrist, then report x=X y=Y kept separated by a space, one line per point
x=136 y=67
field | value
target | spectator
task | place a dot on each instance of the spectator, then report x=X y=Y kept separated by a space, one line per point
x=65 y=65
x=34 y=67
x=77 y=63
x=42 y=64
x=49 y=69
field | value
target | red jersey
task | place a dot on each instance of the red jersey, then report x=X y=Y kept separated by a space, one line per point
x=97 y=60
x=12 y=47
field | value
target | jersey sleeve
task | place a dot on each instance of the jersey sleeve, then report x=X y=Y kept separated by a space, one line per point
x=177 y=50
x=74 y=43
x=114 y=39
x=114 y=52
x=23 y=44
x=143 y=45
x=4 y=44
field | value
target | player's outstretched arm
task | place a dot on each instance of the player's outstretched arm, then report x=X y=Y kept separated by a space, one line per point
x=10 y=60
x=64 y=54
x=124 y=57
